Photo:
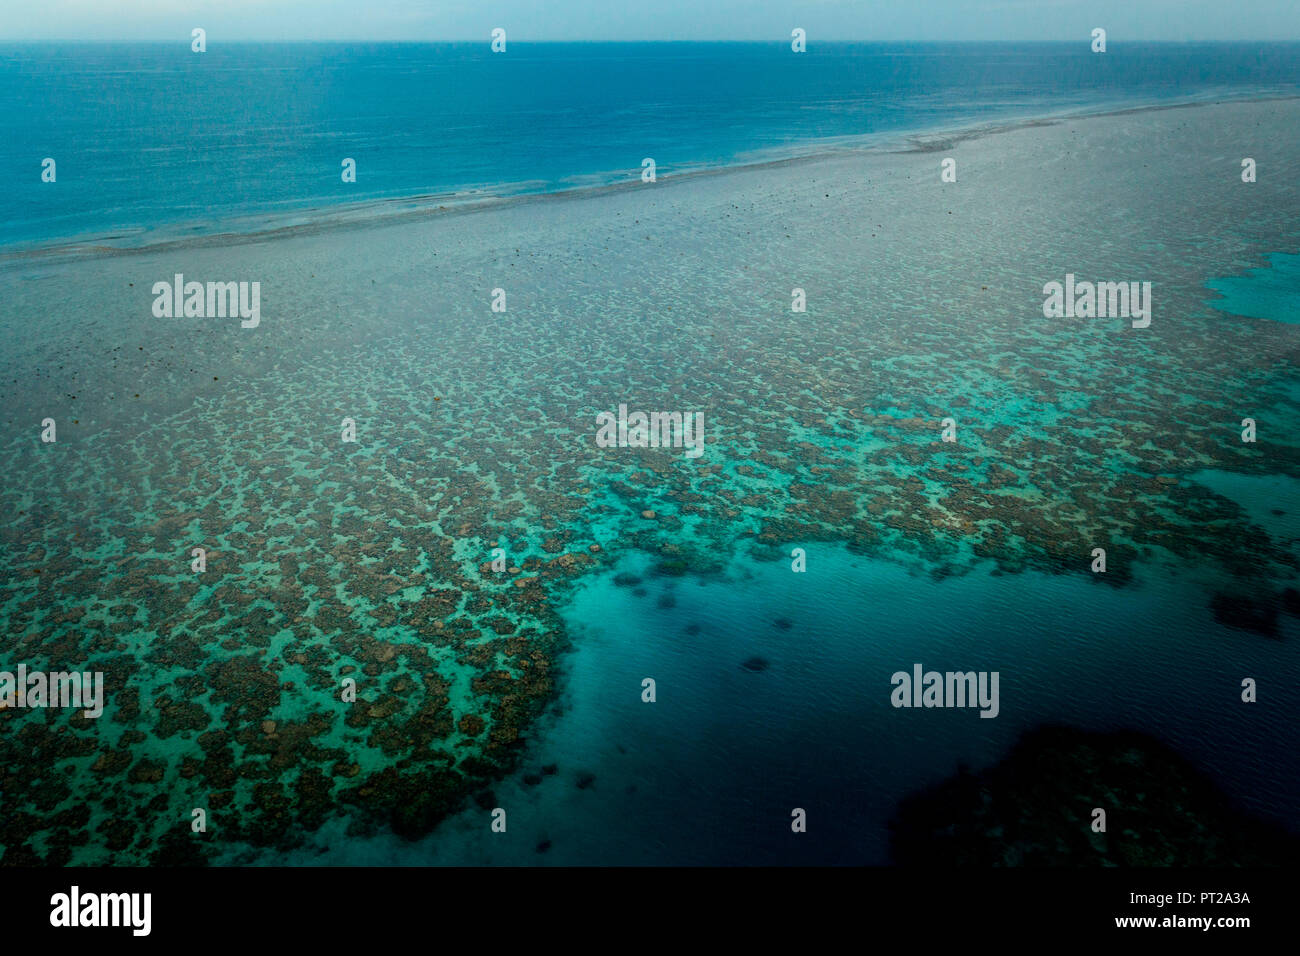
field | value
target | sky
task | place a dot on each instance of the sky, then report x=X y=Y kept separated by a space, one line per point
x=549 y=20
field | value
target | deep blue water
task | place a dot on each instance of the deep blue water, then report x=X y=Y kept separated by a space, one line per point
x=724 y=754
x=152 y=135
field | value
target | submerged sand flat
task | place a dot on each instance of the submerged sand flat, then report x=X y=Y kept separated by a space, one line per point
x=328 y=560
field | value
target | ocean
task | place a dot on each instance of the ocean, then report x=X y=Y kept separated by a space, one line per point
x=153 y=141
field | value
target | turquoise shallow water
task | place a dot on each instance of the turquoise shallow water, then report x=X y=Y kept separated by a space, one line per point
x=1269 y=292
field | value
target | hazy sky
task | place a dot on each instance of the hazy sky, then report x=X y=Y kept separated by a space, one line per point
x=526 y=20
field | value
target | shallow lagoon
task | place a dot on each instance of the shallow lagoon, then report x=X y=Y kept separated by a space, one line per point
x=1269 y=292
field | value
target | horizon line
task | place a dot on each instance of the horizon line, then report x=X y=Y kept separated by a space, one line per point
x=184 y=40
